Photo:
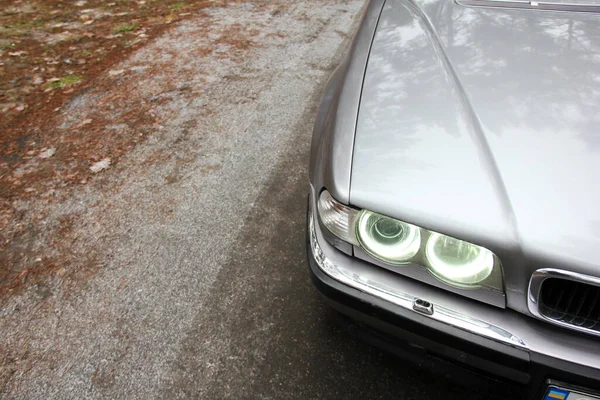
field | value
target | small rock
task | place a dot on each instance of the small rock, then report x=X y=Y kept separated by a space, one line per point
x=115 y=72
x=47 y=153
x=100 y=165
x=38 y=80
x=139 y=68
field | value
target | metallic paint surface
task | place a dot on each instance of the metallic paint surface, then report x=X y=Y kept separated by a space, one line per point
x=481 y=123
x=333 y=134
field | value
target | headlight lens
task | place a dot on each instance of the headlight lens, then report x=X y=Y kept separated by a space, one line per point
x=388 y=239
x=456 y=261
x=453 y=261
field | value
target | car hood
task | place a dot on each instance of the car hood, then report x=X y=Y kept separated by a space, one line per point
x=484 y=123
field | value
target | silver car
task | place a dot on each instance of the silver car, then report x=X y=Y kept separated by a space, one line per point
x=455 y=186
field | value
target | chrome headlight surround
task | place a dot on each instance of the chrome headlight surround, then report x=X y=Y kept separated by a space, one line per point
x=454 y=262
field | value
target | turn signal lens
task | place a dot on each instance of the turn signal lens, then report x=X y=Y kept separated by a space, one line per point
x=337 y=218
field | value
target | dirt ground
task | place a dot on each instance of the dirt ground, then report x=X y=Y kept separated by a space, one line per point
x=52 y=52
x=132 y=132
x=71 y=109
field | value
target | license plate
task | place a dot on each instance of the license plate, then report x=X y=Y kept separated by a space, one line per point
x=558 y=393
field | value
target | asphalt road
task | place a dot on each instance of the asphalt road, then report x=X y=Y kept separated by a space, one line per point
x=202 y=288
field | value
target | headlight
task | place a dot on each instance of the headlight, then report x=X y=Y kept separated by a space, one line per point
x=387 y=239
x=456 y=261
x=453 y=261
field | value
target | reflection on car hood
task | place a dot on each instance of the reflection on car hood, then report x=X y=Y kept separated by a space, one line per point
x=484 y=123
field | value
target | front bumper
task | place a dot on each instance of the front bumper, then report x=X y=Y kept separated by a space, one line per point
x=486 y=341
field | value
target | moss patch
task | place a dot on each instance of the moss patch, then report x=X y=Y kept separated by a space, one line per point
x=124 y=28
x=65 y=81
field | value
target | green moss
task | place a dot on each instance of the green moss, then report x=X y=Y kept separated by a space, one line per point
x=65 y=81
x=177 y=5
x=125 y=28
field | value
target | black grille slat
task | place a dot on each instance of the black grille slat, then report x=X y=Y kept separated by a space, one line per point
x=571 y=295
x=560 y=297
x=571 y=302
x=592 y=303
x=582 y=300
x=596 y=311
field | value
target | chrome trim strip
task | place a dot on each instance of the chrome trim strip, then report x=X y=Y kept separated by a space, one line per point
x=406 y=300
x=535 y=286
x=487 y=296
